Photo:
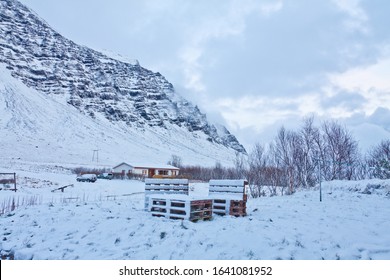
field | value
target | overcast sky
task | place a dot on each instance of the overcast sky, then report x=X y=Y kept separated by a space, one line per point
x=251 y=65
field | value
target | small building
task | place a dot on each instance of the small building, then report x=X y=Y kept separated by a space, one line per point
x=145 y=170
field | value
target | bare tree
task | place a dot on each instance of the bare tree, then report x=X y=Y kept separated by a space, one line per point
x=240 y=169
x=218 y=172
x=283 y=149
x=378 y=159
x=362 y=170
x=310 y=151
x=257 y=162
x=175 y=161
x=340 y=152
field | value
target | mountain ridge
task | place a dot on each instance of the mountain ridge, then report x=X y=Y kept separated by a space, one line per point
x=100 y=87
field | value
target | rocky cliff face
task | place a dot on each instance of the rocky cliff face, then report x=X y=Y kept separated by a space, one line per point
x=97 y=85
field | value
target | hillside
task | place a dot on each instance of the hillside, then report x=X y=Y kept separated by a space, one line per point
x=60 y=101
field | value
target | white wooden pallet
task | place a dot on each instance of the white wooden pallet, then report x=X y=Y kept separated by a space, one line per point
x=180 y=207
x=165 y=186
x=224 y=192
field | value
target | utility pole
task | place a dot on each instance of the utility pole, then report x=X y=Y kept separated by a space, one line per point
x=97 y=155
x=319 y=177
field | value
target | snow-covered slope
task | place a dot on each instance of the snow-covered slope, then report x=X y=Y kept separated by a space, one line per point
x=60 y=101
x=37 y=127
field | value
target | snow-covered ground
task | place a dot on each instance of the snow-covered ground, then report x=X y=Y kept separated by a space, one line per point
x=106 y=220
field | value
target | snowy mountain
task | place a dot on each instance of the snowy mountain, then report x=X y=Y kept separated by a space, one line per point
x=61 y=101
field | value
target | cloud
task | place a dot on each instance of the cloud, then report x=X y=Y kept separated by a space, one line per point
x=285 y=49
x=355 y=96
x=262 y=112
x=372 y=82
x=229 y=21
x=357 y=17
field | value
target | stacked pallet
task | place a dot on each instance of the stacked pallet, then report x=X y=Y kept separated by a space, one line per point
x=165 y=186
x=180 y=207
x=170 y=198
x=229 y=197
x=237 y=208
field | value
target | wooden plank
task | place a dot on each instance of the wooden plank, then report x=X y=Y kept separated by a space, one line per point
x=240 y=182
x=166 y=181
x=166 y=187
x=228 y=189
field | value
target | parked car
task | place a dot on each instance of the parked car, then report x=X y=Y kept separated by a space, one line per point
x=107 y=176
x=87 y=178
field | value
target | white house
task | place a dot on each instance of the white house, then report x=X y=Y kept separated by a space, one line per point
x=146 y=170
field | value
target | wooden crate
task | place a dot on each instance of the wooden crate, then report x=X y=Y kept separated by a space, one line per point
x=181 y=207
x=165 y=186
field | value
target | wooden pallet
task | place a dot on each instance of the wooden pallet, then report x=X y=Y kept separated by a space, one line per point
x=203 y=216
x=229 y=197
x=201 y=210
x=238 y=212
x=229 y=207
x=230 y=188
x=221 y=206
x=165 y=186
x=237 y=203
x=184 y=208
x=237 y=208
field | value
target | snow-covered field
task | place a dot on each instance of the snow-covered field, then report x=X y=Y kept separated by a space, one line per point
x=106 y=220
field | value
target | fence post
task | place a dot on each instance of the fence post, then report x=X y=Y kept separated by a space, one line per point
x=15 y=181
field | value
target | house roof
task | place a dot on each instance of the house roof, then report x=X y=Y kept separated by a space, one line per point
x=149 y=166
x=122 y=164
x=170 y=167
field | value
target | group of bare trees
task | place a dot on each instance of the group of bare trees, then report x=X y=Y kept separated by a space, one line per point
x=202 y=173
x=301 y=158
x=378 y=160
